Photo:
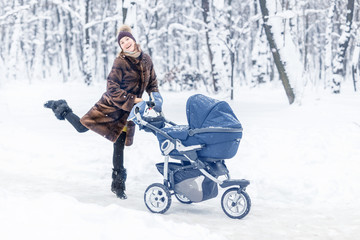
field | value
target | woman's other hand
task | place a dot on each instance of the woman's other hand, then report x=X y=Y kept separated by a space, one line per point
x=137 y=100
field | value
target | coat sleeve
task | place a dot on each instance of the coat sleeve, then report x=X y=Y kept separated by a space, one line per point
x=121 y=98
x=153 y=84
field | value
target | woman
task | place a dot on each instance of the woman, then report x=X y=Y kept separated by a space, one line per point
x=132 y=73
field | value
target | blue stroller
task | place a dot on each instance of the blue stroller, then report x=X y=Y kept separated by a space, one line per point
x=199 y=151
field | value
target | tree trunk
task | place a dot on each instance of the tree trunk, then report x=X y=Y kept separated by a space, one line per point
x=355 y=65
x=87 y=47
x=124 y=11
x=232 y=59
x=275 y=52
x=206 y=9
x=306 y=39
x=328 y=43
x=231 y=49
x=45 y=49
x=260 y=59
x=338 y=64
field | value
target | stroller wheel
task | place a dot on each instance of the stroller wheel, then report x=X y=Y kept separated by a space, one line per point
x=157 y=198
x=181 y=198
x=234 y=204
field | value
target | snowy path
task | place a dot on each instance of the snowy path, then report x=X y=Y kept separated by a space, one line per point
x=303 y=163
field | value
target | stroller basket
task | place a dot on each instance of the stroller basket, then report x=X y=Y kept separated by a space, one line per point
x=190 y=182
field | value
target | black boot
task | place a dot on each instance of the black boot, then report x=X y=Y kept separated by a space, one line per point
x=118 y=183
x=59 y=107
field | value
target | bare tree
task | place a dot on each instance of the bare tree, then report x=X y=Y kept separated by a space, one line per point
x=328 y=42
x=355 y=64
x=275 y=52
x=338 y=63
x=206 y=15
x=87 y=47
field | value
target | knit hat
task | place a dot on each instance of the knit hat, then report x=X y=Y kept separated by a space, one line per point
x=125 y=31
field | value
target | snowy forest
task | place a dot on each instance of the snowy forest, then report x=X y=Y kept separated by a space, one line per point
x=217 y=45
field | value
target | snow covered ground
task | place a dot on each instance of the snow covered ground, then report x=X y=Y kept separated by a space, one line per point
x=302 y=161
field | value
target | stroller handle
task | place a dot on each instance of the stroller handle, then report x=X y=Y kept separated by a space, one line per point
x=140 y=108
x=150 y=105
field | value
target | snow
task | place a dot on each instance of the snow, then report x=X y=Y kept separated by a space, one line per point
x=302 y=161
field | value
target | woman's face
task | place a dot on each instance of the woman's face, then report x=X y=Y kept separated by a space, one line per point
x=127 y=44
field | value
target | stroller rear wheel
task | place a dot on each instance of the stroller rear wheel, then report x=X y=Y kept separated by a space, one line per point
x=157 y=198
x=235 y=204
x=181 y=198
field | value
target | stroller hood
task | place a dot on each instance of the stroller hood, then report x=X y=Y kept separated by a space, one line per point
x=205 y=112
x=213 y=124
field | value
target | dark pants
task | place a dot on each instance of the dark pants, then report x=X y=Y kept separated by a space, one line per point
x=118 y=154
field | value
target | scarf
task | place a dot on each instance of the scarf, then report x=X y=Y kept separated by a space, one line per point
x=134 y=54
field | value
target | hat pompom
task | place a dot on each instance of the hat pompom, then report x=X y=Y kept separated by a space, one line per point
x=125 y=28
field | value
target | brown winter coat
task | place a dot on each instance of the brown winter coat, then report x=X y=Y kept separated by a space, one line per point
x=128 y=79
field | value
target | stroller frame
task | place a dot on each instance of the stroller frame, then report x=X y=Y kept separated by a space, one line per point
x=235 y=201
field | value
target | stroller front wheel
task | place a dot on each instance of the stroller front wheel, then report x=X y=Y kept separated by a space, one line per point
x=234 y=204
x=157 y=198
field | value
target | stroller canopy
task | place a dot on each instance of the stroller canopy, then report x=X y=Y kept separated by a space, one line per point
x=205 y=112
x=213 y=124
